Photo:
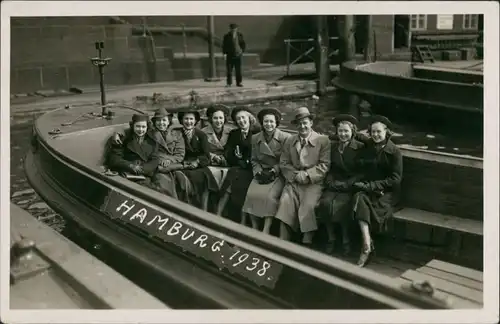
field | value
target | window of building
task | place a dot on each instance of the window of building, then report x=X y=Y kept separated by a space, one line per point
x=470 y=21
x=418 y=22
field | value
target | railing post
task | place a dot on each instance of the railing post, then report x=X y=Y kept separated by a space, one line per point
x=368 y=35
x=211 y=52
x=184 y=39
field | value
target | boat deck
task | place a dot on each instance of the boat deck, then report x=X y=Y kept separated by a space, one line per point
x=472 y=65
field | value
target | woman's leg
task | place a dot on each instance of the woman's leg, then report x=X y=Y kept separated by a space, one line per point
x=244 y=217
x=222 y=203
x=307 y=237
x=204 y=200
x=367 y=246
x=346 y=246
x=285 y=232
x=268 y=222
x=330 y=245
x=255 y=222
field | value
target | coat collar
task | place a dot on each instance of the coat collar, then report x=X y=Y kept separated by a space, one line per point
x=262 y=138
x=137 y=148
x=209 y=130
x=312 y=140
x=390 y=147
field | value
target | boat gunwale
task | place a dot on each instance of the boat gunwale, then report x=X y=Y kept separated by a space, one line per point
x=291 y=252
x=363 y=91
x=409 y=152
x=62 y=265
x=351 y=65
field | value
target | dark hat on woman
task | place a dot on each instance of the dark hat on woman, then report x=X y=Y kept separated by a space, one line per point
x=139 y=117
x=300 y=113
x=215 y=108
x=269 y=111
x=237 y=110
x=380 y=119
x=160 y=113
x=181 y=114
x=344 y=117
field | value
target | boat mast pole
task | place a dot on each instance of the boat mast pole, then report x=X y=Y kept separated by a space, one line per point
x=211 y=52
x=322 y=41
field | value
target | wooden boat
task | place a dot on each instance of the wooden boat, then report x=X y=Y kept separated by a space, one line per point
x=211 y=262
x=425 y=92
x=48 y=271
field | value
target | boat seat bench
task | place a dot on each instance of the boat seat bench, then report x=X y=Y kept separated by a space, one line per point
x=438 y=229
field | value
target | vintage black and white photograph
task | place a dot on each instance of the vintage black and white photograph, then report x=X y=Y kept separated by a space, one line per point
x=163 y=158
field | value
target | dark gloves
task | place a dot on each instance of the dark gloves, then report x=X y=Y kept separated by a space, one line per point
x=364 y=186
x=336 y=185
x=265 y=176
x=244 y=164
x=361 y=186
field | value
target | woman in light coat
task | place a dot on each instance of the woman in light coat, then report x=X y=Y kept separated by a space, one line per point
x=263 y=195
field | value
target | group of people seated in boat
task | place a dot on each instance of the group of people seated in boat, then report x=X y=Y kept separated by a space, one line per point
x=303 y=180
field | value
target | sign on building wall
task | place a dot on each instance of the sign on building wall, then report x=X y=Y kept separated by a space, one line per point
x=444 y=21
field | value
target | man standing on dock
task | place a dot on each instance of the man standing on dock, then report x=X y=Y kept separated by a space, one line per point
x=233 y=46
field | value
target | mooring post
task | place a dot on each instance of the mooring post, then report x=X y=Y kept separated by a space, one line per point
x=322 y=60
x=349 y=102
x=212 y=67
x=101 y=62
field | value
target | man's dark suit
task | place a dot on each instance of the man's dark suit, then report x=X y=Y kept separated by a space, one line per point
x=233 y=58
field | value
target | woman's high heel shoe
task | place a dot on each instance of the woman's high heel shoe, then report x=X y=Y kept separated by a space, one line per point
x=365 y=256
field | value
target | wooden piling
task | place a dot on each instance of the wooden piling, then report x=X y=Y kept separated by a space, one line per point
x=322 y=61
x=348 y=103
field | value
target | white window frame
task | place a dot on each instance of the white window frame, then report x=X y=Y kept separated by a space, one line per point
x=472 y=18
x=416 y=18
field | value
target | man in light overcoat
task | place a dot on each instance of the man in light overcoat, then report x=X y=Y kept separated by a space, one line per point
x=304 y=164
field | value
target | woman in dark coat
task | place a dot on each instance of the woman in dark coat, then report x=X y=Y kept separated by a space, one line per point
x=197 y=180
x=335 y=205
x=238 y=152
x=138 y=153
x=171 y=150
x=378 y=192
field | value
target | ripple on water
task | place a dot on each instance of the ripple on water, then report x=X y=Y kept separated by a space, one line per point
x=39 y=205
x=25 y=192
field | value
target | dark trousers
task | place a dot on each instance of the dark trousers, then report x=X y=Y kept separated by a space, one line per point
x=233 y=62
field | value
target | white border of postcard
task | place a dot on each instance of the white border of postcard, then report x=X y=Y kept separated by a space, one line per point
x=143 y=8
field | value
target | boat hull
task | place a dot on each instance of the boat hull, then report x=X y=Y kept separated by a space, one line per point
x=86 y=197
x=391 y=90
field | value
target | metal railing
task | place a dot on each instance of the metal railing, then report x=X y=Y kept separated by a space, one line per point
x=306 y=53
